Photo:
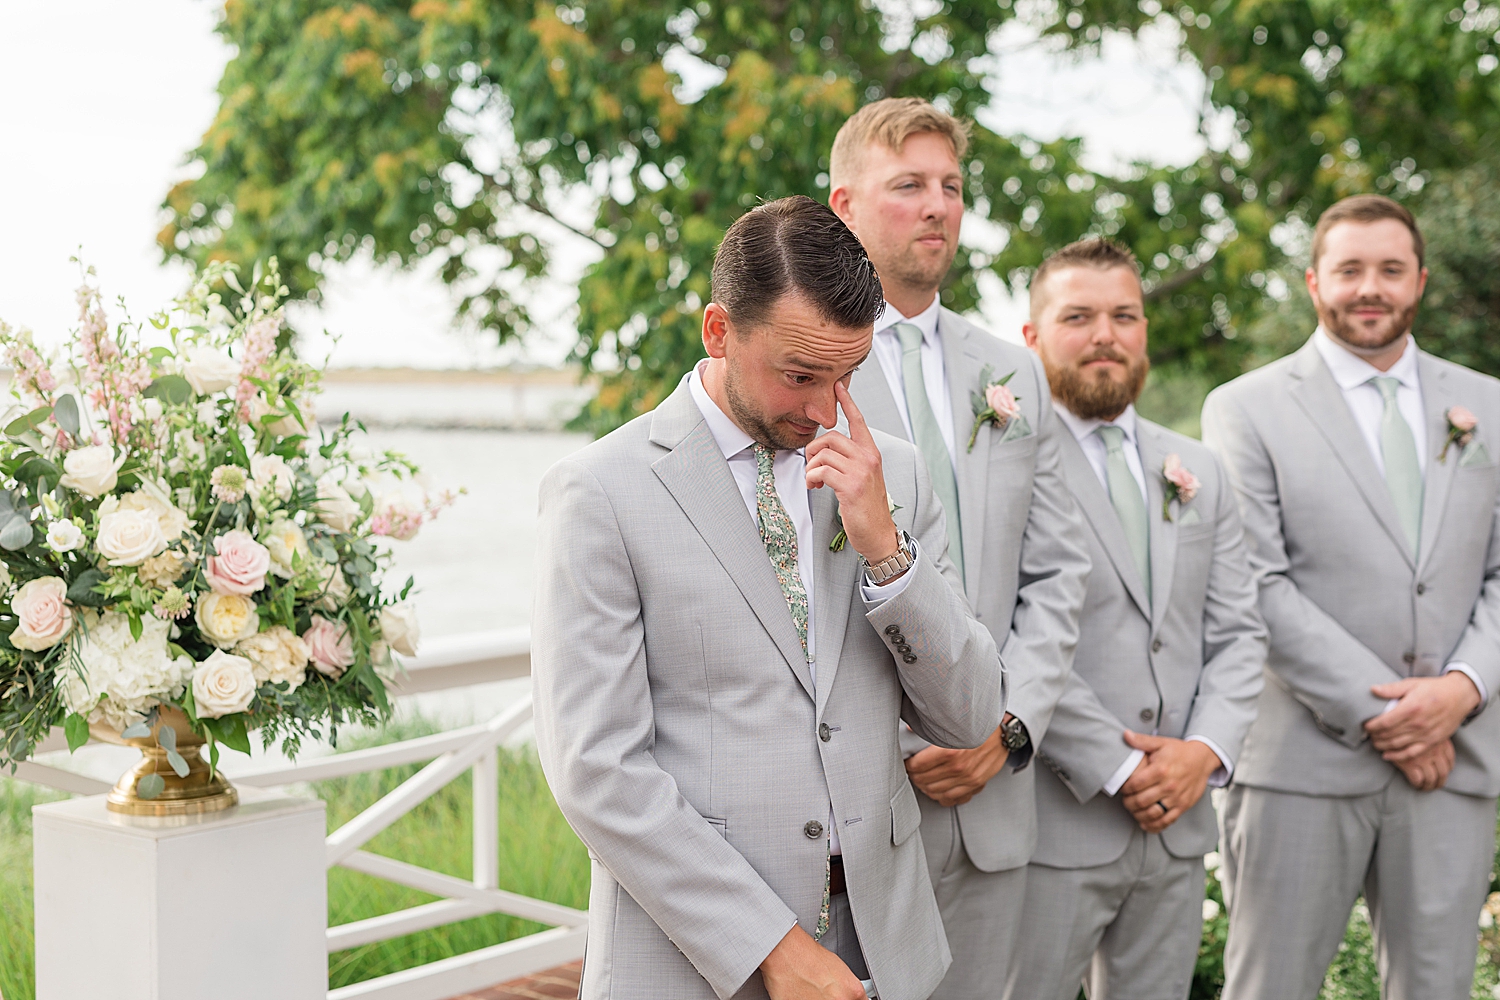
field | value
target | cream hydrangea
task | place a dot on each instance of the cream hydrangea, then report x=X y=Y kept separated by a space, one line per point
x=122 y=678
x=277 y=654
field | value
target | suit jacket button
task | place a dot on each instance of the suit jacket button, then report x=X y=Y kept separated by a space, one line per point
x=893 y=630
x=903 y=648
x=1408 y=658
x=823 y=732
x=1421 y=589
x=812 y=829
x=908 y=658
x=1147 y=715
x=1156 y=646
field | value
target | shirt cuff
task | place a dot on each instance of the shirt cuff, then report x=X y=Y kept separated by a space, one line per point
x=1473 y=675
x=875 y=595
x=1123 y=772
x=1219 y=778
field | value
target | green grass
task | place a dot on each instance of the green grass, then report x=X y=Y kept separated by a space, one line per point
x=539 y=857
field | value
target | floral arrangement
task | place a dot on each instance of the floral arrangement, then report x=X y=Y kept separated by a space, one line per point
x=993 y=403
x=176 y=530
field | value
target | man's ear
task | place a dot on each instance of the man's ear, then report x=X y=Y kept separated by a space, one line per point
x=842 y=204
x=1030 y=333
x=716 y=329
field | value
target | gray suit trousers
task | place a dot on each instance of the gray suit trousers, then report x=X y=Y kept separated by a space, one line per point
x=1295 y=864
x=1126 y=930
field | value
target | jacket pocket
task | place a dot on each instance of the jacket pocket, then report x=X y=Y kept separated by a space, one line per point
x=906 y=815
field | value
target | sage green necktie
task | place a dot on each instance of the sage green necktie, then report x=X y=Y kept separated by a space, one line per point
x=1398 y=451
x=1125 y=495
x=928 y=439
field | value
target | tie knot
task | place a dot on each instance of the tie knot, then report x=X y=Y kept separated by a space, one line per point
x=910 y=336
x=1114 y=437
x=765 y=458
x=1387 y=386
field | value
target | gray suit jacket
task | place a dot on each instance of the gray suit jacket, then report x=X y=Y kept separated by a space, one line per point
x=1025 y=560
x=1184 y=660
x=1347 y=604
x=681 y=732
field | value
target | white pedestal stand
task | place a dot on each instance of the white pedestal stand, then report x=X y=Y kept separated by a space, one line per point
x=231 y=905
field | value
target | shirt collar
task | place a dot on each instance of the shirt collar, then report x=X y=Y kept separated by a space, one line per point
x=926 y=320
x=1082 y=428
x=1350 y=370
x=727 y=434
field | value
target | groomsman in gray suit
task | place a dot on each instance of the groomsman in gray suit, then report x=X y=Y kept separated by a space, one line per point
x=729 y=626
x=1014 y=532
x=1367 y=482
x=1168 y=666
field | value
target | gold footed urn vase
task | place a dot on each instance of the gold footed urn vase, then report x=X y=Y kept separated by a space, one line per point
x=200 y=791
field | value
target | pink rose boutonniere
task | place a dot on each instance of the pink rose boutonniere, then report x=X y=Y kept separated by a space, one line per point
x=993 y=402
x=1178 y=484
x=1461 y=429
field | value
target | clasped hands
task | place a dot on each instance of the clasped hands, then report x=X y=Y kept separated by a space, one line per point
x=1168 y=781
x=953 y=777
x=850 y=466
x=1416 y=734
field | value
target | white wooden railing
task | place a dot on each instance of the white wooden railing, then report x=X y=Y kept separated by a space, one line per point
x=445 y=663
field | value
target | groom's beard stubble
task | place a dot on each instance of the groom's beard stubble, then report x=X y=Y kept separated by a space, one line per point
x=751 y=420
x=1097 y=396
x=1341 y=328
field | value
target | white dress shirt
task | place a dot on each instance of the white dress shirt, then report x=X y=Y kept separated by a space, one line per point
x=887 y=350
x=1353 y=374
x=790 y=469
x=1094 y=450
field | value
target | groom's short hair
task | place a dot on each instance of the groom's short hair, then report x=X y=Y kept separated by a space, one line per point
x=1367 y=208
x=890 y=122
x=795 y=246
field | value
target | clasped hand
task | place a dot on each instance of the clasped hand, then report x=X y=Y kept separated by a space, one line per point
x=953 y=777
x=1169 y=781
x=850 y=466
x=1416 y=734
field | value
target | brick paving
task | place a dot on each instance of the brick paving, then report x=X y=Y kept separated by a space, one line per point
x=560 y=983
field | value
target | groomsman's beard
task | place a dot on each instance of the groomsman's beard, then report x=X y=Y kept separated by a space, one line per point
x=1096 y=395
x=1346 y=331
x=742 y=409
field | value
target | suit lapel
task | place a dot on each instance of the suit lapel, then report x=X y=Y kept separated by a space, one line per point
x=1094 y=499
x=1162 y=533
x=1323 y=401
x=962 y=364
x=1437 y=397
x=833 y=579
x=698 y=477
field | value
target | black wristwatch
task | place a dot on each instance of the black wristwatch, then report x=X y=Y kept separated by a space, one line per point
x=1013 y=734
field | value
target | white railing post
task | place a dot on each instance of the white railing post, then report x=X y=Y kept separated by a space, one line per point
x=487 y=821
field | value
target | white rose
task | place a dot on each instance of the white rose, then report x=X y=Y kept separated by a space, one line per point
x=151 y=408
x=92 y=471
x=223 y=684
x=208 y=369
x=129 y=537
x=335 y=507
x=270 y=472
x=64 y=536
x=399 y=628
x=225 y=619
x=154 y=500
x=286 y=543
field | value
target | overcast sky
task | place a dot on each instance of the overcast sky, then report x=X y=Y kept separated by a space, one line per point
x=106 y=97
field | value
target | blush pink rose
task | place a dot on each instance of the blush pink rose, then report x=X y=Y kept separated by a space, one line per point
x=1002 y=401
x=43 y=614
x=239 y=566
x=1462 y=419
x=1177 y=474
x=329 y=646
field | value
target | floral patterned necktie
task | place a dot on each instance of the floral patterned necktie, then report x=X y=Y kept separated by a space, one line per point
x=779 y=535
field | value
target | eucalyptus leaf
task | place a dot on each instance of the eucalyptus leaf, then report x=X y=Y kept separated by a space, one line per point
x=29 y=422
x=150 y=787
x=76 y=727
x=138 y=731
x=166 y=738
x=170 y=389
x=65 y=412
x=16 y=534
x=178 y=763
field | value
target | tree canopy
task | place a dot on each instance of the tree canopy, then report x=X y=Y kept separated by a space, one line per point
x=464 y=131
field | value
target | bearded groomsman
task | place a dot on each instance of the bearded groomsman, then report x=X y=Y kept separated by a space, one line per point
x=1013 y=531
x=1168 y=666
x=1366 y=478
x=729 y=626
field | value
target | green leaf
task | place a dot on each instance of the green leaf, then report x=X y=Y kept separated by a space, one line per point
x=82 y=590
x=178 y=763
x=65 y=412
x=39 y=472
x=16 y=533
x=170 y=389
x=231 y=732
x=150 y=787
x=138 y=731
x=29 y=422
x=213 y=757
x=135 y=616
x=76 y=727
x=166 y=738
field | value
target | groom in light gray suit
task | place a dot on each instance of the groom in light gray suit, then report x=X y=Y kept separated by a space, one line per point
x=1366 y=477
x=1168 y=666
x=729 y=627
x=1014 y=531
